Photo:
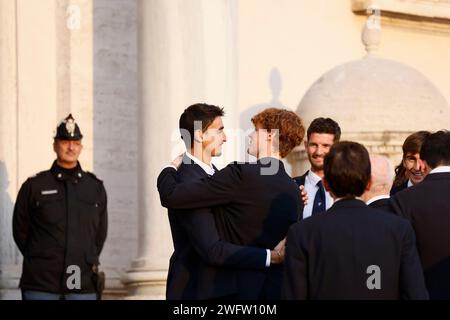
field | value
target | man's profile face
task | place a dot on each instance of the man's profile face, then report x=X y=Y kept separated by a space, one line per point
x=415 y=167
x=67 y=151
x=214 y=137
x=317 y=147
x=258 y=141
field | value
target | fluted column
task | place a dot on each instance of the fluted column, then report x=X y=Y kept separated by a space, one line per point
x=9 y=257
x=186 y=54
x=45 y=72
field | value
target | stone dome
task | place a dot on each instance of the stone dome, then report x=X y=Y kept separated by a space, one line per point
x=376 y=95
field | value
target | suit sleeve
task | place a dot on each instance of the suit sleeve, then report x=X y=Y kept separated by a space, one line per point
x=412 y=283
x=397 y=207
x=300 y=181
x=207 y=192
x=202 y=232
x=295 y=278
x=103 y=224
x=22 y=217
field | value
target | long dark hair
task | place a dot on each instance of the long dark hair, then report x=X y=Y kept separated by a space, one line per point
x=413 y=144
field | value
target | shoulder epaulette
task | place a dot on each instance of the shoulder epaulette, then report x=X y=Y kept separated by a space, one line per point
x=37 y=174
x=93 y=176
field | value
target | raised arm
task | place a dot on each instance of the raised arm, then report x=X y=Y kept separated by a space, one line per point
x=207 y=192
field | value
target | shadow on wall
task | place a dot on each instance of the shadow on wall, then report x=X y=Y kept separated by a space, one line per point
x=9 y=254
x=276 y=85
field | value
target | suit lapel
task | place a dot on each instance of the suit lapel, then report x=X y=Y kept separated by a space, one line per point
x=300 y=181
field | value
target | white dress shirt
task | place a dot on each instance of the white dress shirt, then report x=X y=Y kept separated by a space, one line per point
x=377 y=198
x=311 y=188
x=410 y=184
x=206 y=167
x=440 y=169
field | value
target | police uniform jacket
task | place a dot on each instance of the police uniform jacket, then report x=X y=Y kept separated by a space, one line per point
x=60 y=226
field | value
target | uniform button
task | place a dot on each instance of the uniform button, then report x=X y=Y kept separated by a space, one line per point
x=59 y=175
x=79 y=175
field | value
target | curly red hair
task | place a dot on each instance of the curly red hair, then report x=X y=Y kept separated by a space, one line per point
x=288 y=123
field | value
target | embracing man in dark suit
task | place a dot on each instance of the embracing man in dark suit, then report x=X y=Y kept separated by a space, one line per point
x=320 y=136
x=427 y=206
x=254 y=203
x=351 y=251
x=201 y=266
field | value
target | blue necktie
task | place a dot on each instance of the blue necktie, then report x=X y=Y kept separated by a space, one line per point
x=319 y=199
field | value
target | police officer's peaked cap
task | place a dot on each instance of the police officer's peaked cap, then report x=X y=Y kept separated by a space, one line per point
x=68 y=129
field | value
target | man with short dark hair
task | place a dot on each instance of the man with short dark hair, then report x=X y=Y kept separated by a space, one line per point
x=427 y=206
x=60 y=225
x=320 y=136
x=351 y=251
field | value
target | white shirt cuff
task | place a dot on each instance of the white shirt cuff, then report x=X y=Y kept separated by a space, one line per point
x=170 y=166
x=268 y=258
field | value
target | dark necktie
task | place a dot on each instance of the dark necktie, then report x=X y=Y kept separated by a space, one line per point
x=319 y=199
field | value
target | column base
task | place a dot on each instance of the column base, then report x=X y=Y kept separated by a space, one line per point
x=144 y=283
x=9 y=282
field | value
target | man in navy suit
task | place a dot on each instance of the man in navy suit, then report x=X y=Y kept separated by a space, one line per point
x=351 y=251
x=427 y=206
x=320 y=136
x=201 y=266
x=377 y=196
x=255 y=203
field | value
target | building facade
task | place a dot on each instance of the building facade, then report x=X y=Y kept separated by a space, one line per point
x=126 y=69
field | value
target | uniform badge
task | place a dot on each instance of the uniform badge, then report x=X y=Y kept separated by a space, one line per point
x=48 y=192
x=70 y=126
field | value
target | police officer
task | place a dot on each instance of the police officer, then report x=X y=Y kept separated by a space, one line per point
x=60 y=225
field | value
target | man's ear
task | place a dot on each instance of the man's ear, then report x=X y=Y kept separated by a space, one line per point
x=306 y=144
x=269 y=135
x=327 y=188
x=427 y=167
x=369 y=184
x=326 y=185
x=198 y=136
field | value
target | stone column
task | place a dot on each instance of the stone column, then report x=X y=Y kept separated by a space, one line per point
x=9 y=256
x=45 y=72
x=186 y=54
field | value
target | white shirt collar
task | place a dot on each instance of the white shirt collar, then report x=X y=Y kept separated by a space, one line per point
x=207 y=168
x=440 y=169
x=314 y=178
x=410 y=184
x=377 y=198
x=337 y=200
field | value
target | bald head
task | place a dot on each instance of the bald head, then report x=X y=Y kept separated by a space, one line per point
x=382 y=176
x=381 y=171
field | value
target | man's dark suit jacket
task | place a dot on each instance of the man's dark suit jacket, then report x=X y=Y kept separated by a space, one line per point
x=399 y=188
x=197 y=266
x=300 y=181
x=427 y=206
x=328 y=255
x=252 y=207
x=382 y=204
